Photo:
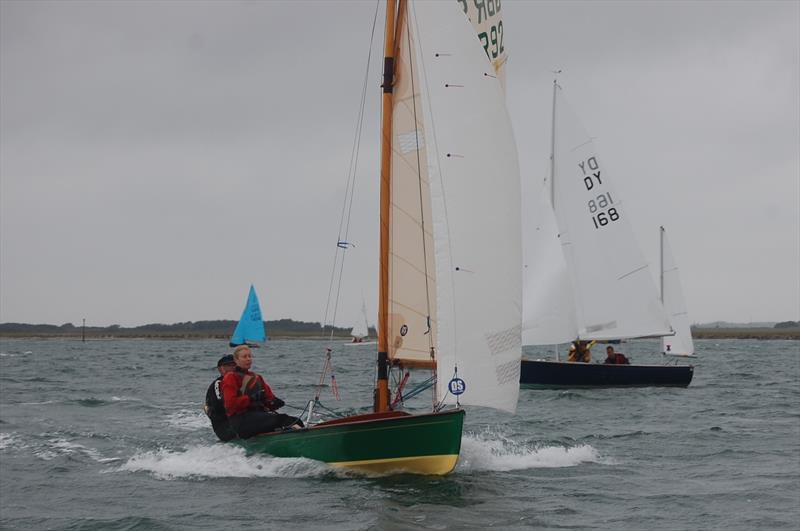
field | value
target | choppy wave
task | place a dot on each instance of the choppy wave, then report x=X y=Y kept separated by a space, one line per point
x=15 y=354
x=494 y=452
x=49 y=447
x=7 y=440
x=221 y=460
x=189 y=420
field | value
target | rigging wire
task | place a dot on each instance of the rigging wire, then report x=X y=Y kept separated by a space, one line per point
x=435 y=144
x=421 y=207
x=342 y=244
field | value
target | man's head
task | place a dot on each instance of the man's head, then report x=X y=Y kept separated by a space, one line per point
x=243 y=357
x=609 y=351
x=225 y=364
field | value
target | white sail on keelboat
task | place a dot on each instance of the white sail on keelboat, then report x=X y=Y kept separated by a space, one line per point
x=599 y=288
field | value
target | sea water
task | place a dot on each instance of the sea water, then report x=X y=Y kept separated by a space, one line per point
x=110 y=434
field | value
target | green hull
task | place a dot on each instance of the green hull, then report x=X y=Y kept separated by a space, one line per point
x=380 y=442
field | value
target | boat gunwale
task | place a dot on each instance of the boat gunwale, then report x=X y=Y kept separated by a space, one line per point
x=344 y=423
x=621 y=365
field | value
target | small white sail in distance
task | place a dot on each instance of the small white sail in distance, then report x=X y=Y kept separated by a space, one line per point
x=681 y=344
x=361 y=326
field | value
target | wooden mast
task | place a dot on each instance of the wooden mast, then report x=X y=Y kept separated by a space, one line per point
x=382 y=383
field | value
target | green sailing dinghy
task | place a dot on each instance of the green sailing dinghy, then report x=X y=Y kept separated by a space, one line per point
x=450 y=248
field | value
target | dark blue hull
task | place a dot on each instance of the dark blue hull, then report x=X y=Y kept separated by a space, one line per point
x=540 y=373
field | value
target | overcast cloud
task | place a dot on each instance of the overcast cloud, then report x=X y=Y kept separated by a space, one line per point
x=158 y=157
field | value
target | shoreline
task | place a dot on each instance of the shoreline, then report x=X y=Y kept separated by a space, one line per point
x=700 y=333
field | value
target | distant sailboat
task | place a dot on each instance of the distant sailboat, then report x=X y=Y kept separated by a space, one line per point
x=250 y=328
x=680 y=344
x=600 y=288
x=360 y=331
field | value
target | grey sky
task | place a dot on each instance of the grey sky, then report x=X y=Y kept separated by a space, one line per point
x=158 y=157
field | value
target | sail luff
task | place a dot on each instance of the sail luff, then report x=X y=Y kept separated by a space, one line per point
x=681 y=342
x=553 y=149
x=661 y=268
x=382 y=384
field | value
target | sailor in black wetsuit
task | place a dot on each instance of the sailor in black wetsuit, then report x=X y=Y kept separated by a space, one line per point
x=215 y=407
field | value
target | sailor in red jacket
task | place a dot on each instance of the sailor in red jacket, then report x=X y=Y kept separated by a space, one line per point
x=615 y=358
x=249 y=402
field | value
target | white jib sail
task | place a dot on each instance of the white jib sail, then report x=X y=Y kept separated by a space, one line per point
x=672 y=295
x=614 y=293
x=548 y=310
x=475 y=200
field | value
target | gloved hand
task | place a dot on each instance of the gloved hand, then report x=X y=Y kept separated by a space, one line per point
x=275 y=403
x=257 y=396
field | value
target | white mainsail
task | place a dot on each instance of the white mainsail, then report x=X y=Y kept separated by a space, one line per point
x=613 y=289
x=361 y=326
x=474 y=186
x=672 y=297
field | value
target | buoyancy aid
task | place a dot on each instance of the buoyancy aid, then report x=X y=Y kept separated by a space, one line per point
x=240 y=389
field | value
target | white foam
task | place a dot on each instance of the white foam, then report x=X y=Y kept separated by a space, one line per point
x=189 y=420
x=220 y=460
x=14 y=354
x=60 y=446
x=125 y=399
x=7 y=440
x=491 y=451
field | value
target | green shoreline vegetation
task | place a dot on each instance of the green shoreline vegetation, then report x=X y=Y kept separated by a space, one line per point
x=221 y=329
x=288 y=329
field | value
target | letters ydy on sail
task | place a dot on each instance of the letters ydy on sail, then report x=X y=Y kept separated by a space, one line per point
x=614 y=293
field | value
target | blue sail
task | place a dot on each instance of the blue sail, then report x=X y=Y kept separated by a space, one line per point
x=250 y=328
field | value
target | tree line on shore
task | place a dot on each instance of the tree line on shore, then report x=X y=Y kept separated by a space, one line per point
x=190 y=329
x=221 y=329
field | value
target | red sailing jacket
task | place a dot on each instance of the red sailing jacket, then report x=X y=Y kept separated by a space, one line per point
x=619 y=359
x=237 y=401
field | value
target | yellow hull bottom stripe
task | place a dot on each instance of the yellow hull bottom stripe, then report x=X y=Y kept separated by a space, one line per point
x=430 y=464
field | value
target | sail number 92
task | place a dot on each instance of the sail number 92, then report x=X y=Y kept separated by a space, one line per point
x=600 y=215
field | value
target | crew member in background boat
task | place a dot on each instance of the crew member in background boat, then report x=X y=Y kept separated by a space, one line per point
x=615 y=358
x=249 y=402
x=580 y=351
x=214 y=407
